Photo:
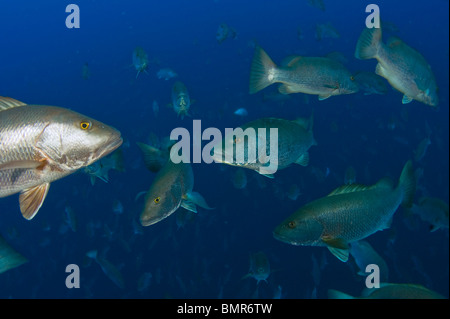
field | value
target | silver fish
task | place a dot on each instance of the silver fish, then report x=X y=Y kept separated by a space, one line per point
x=40 y=144
x=294 y=140
x=311 y=75
x=405 y=68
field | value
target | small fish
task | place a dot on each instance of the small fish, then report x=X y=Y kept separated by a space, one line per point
x=391 y=291
x=140 y=60
x=54 y=142
x=241 y=112
x=70 y=218
x=371 y=83
x=293 y=192
x=101 y=168
x=317 y=4
x=85 y=72
x=364 y=255
x=433 y=211
x=326 y=30
x=117 y=207
x=294 y=140
x=350 y=175
x=155 y=108
x=166 y=74
x=154 y=158
x=171 y=188
x=405 y=68
x=9 y=257
x=144 y=281
x=239 y=179
x=300 y=35
x=421 y=149
x=311 y=75
x=109 y=269
x=259 y=267
x=180 y=99
x=348 y=214
x=224 y=32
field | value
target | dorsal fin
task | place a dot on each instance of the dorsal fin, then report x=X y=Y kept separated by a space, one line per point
x=290 y=60
x=352 y=188
x=7 y=103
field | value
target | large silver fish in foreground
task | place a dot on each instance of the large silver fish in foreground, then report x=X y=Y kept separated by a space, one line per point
x=348 y=214
x=40 y=144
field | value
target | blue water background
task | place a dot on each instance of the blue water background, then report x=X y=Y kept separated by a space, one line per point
x=41 y=63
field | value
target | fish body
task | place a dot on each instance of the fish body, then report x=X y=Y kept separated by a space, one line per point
x=364 y=255
x=166 y=74
x=140 y=60
x=101 y=168
x=111 y=271
x=433 y=211
x=259 y=267
x=405 y=68
x=40 y=144
x=348 y=214
x=9 y=257
x=371 y=83
x=180 y=99
x=241 y=112
x=171 y=188
x=320 y=76
x=326 y=30
x=294 y=140
x=421 y=149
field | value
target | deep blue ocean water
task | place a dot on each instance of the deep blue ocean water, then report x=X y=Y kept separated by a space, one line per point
x=41 y=62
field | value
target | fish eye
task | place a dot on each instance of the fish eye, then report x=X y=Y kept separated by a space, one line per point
x=157 y=199
x=352 y=78
x=85 y=125
x=291 y=224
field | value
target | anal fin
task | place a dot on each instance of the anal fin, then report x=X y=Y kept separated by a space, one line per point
x=31 y=200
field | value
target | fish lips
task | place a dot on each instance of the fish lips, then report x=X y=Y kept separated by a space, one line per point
x=114 y=141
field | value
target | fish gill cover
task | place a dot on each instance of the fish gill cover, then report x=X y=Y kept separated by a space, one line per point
x=119 y=66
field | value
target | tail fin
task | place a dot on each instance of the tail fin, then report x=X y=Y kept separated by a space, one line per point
x=154 y=158
x=262 y=71
x=407 y=184
x=369 y=44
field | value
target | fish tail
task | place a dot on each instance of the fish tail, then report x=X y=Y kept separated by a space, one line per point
x=369 y=44
x=407 y=184
x=262 y=72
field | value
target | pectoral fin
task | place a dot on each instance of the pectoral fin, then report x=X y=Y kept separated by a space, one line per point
x=303 y=160
x=338 y=247
x=406 y=99
x=190 y=200
x=323 y=97
x=31 y=200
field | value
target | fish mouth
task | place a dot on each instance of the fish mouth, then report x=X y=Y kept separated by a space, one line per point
x=113 y=143
x=149 y=221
